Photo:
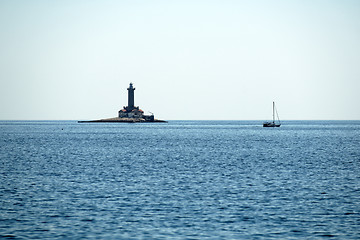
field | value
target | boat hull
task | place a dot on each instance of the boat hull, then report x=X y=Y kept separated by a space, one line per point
x=270 y=124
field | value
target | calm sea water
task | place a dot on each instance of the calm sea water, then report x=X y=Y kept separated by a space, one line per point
x=180 y=180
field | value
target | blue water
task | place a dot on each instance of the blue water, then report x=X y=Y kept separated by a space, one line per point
x=180 y=180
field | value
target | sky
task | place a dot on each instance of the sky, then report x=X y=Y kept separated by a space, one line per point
x=188 y=60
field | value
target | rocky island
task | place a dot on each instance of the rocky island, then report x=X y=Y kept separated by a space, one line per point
x=130 y=113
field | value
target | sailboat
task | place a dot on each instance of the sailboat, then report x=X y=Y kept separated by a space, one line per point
x=273 y=124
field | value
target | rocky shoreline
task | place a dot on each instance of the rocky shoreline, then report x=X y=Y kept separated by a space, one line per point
x=121 y=120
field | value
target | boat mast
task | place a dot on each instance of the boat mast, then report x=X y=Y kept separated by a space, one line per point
x=273 y=112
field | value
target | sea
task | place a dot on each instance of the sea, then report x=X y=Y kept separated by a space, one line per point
x=179 y=180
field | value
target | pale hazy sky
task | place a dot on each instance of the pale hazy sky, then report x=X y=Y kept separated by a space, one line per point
x=72 y=60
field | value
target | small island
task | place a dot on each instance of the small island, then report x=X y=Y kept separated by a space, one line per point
x=129 y=114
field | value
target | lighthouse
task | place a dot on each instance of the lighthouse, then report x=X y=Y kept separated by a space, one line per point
x=130 y=113
x=131 y=90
